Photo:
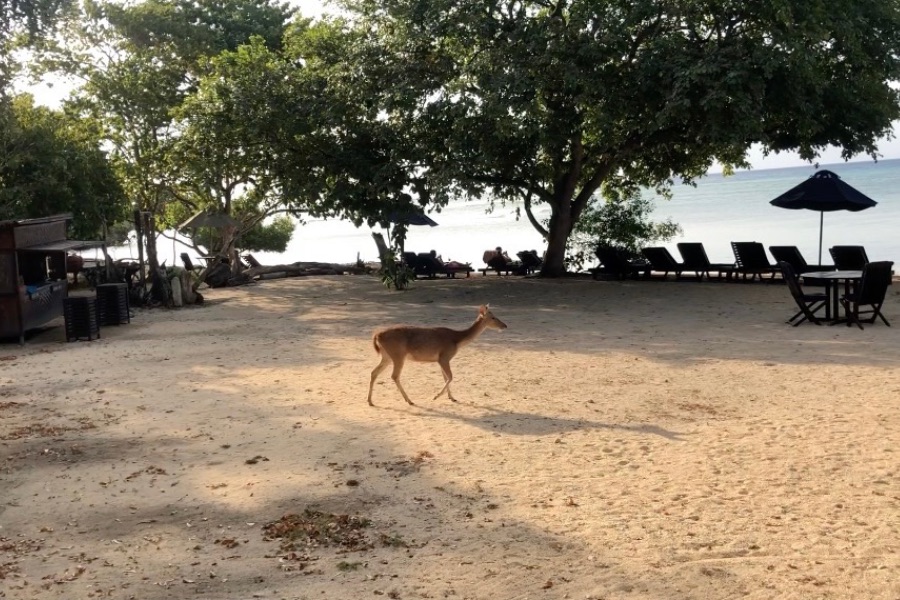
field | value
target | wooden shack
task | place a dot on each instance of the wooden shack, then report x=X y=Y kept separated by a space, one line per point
x=33 y=282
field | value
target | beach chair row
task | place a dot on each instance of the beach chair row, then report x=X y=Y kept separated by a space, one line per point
x=497 y=261
x=430 y=264
x=750 y=262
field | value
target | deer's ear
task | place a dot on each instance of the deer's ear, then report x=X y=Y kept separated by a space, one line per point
x=483 y=309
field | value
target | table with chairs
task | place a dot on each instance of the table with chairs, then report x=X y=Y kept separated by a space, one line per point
x=863 y=294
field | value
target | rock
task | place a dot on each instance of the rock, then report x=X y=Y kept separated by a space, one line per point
x=188 y=295
x=175 y=282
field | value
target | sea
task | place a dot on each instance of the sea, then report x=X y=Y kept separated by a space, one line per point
x=718 y=210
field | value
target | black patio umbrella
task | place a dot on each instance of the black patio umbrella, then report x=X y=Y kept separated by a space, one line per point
x=824 y=191
x=412 y=219
x=403 y=219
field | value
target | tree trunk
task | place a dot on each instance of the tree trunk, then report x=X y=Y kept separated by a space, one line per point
x=558 y=231
x=150 y=237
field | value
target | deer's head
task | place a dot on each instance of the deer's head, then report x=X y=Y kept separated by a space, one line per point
x=485 y=314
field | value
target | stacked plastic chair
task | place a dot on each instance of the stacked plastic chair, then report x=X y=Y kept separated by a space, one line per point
x=80 y=315
x=113 y=305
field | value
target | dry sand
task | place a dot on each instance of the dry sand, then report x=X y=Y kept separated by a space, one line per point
x=621 y=440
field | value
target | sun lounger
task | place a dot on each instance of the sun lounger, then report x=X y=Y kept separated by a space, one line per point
x=849 y=258
x=530 y=261
x=696 y=260
x=497 y=262
x=750 y=259
x=502 y=267
x=792 y=256
x=662 y=261
x=614 y=262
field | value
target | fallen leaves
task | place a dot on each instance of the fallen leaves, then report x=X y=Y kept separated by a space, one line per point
x=43 y=430
x=313 y=528
x=151 y=470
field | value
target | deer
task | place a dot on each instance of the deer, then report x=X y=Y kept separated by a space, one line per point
x=426 y=344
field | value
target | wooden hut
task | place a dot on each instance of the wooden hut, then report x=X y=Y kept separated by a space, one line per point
x=33 y=281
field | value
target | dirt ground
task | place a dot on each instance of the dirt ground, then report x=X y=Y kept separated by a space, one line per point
x=620 y=440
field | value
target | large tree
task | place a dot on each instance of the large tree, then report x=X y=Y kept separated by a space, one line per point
x=549 y=101
x=53 y=164
x=306 y=126
x=138 y=64
x=23 y=23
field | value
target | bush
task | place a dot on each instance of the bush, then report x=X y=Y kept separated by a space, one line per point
x=619 y=218
x=394 y=273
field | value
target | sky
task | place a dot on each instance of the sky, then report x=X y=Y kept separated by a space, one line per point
x=52 y=94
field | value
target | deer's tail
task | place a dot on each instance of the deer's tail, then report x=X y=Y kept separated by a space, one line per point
x=376 y=344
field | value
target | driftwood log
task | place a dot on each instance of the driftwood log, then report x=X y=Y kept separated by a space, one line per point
x=300 y=269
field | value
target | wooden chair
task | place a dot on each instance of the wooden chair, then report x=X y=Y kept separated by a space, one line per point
x=809 y=304
x=871 y=292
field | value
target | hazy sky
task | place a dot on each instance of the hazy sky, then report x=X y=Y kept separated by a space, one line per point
x=314 y=8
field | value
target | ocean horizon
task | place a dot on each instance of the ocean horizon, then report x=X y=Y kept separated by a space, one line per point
x=718 y=210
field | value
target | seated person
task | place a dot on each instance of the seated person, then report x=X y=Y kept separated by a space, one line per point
x=497 y=252
x=499 y=260
x=429 y=264
x=433 y=263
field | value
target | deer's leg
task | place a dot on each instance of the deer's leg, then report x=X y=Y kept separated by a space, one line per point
x=398 y=366
x=385 y=359
x=448 y=377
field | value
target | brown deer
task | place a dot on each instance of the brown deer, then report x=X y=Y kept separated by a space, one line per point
x=426 y=344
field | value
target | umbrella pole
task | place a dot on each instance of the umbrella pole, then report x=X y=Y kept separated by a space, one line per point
x=821 y=224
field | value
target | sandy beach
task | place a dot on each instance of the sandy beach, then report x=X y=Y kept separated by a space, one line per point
x=620 y=440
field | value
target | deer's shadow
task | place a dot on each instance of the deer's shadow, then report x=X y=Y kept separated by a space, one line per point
x=527 y=424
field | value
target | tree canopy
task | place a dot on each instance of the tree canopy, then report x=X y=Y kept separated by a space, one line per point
x=245 y=106
x=53 y=164
x=550 y=101
x=143 y=66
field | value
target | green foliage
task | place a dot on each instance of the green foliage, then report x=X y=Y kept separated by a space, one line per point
x=195 y=30
x=548 y=101
x=52 y=164
x=620 y=219
x=269 y=237
x=24 y=23
x=150 y=73
x=395 y=273
x=118 y=232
